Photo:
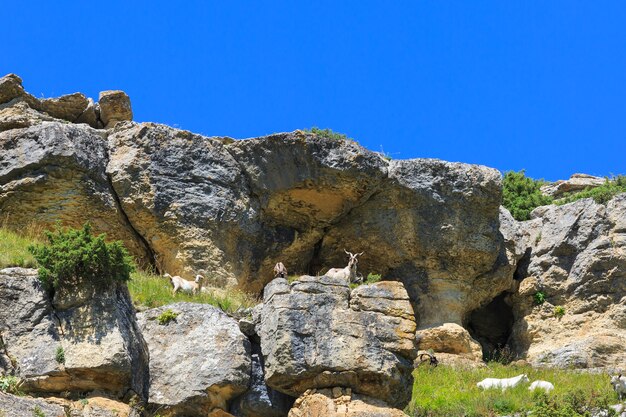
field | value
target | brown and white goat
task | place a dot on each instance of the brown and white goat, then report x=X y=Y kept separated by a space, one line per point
x=178 y=283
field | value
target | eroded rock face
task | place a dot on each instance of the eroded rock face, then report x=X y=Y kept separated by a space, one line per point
x=187 y=196
x=316 y=333
x=56 y=172
x=114 y=107
x=198 y=361
x=577 y=182
x=449 y=338
x=13 y=406
x=339 y=402
x=98 y=336
x=577 y=258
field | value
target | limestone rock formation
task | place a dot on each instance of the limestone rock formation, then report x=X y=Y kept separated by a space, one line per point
x=114 y=107
x=315 y=333
x=338 y=402
x=187 y=197
x=198 y=362
x=14 y=406
x=260 y=400
x=68 y=107
x=577 y=182
x=56 y=172
x=449 y=338
x=97 y=335
x=577 y=258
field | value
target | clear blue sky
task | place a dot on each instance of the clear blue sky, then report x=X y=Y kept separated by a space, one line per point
x=539 y=85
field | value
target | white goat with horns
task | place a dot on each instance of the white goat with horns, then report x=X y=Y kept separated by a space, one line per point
x=349 y=272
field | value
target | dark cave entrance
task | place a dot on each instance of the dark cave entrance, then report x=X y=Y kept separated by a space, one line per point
x=490 y=326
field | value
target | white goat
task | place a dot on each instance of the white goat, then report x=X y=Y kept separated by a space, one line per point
x=349 y=272
x=280 y=270
x=503 y=384
x=619 y=385
x=544 y=385
x=182 y=284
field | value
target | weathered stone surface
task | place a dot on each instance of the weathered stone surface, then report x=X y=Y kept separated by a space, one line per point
x=68 y=107
x=449 y=338
x=102 y=346
x=89 y=116
x=577 y=258
x=314 y=334
x=339 y=402
x=187 y=196
x=13 y=406
x=10 y=88
x=260 y=400
x=577 y=182
x=114 y=107
x=56 y=172
x=434 y=226
x=198 y=362
x=18 y=114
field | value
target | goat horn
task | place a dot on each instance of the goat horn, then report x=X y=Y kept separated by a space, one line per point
x=359 y=254
x=347 y=251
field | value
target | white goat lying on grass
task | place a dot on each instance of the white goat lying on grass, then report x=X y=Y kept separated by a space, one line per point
x=349 y=272
x=503 y=384
x=544 y=385
x=619 y=385
x=178 y=283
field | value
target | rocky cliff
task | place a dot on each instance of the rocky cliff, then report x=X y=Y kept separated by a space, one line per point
x=467 y=272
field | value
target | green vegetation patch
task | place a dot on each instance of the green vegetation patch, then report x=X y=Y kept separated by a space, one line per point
x=60 y=355
x=601 y=194
x=327 y=133
x=167 y=316
x=11 y=384
x=444 y=392
x=14 y=249
x=71 y=256
x=155 y=291
x=522 y=194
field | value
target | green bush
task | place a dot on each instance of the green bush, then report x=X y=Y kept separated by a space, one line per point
x=166 y=316
x=10 y=384
x=38 y=412
x=559 y=311
x=372 y=278
x=60 y=355
x=521 y=194
x=75 y=255
x=327 y=133
x=601 y=195
x=539 y=298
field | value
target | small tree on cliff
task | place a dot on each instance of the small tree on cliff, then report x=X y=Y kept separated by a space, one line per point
x=75 y=255
x=521 y=194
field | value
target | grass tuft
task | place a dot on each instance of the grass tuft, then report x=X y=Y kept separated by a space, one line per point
x=14 y=248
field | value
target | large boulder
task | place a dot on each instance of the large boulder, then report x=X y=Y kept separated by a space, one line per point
x=199 y=361
x=316 y=333
x=55 y=172
x=434 y=226
x=339 y=402
x=577 y=258
x=449 y=338
x=187 y=197
x=114 y=107
x=85 y=340
x=68 y=107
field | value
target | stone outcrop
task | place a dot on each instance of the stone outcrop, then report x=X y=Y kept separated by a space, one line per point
x=339 y=402
x=577 y=258
x=316 y=333
x=449 y=338
x=577 y=182
x=56 y=172
x=198 y=362
x=97 y=336
x=114 y=107
x=14 y=406
x=20 y=109
x=260 y=400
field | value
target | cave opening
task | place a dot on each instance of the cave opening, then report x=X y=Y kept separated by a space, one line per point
x=491 y=325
